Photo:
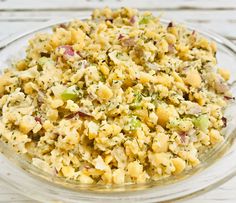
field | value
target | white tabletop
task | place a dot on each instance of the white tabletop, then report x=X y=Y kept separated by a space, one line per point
x=217 y=15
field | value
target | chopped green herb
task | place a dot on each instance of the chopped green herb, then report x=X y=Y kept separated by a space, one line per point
x=118 y=55
x=121 y=57
x=102 y=77
x=136 y=102
x=138 y=97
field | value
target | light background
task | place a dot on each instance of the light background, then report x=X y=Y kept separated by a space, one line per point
x=18 y=16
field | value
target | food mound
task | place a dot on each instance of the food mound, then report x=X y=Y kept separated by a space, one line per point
x=118 y=98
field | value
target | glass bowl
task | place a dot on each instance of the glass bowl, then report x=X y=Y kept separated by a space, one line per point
x=216 y=166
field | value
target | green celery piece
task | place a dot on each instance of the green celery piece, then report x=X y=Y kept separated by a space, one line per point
x=43 y=60
x=202 y=122
x=135 y=106
x=135 y=123
x=70 y=93
x=145 y=20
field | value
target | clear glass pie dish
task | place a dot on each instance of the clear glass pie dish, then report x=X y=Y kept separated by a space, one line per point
x=216 y=166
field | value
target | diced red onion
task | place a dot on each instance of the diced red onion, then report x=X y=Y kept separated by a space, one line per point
x=62 y=26
x=128 y=42
x=38 y=119
x=132 y=20
x=120 y=36
x=68 y=50
x=220 y=86
x=194 y=109
x=183 y=136
x=171 y=48
x=224 y=120
x=170 y=25
x=229 y=98
x=78 y=113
